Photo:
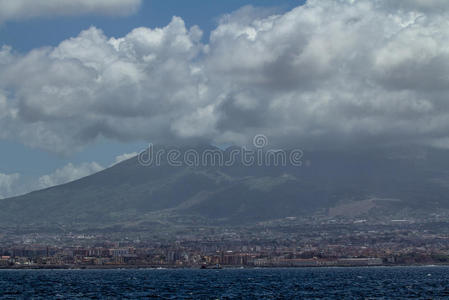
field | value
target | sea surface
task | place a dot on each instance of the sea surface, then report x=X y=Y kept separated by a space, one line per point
x=311 y=283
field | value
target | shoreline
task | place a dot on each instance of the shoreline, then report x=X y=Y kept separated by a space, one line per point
x=145 y=267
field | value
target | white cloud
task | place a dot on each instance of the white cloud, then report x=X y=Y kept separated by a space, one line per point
x=91 y=85
x=327 y=73
x=7 y=182
x=124 y=157
x=68 y=173
x=24 y=9
x=13 y=185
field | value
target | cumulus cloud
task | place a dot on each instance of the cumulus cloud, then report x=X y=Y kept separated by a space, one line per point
x=323 y=74
x=68 y=173
x=88 y=86
x=7 y=182
x=24 y=9
x=13 y=184
x=123 y=157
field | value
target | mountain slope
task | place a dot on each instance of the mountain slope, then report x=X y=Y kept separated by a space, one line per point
x=129 y=192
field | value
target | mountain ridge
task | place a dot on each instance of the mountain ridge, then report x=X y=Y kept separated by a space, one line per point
x=239 y=194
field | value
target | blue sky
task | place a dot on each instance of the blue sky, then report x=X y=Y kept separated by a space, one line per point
x=27 y=34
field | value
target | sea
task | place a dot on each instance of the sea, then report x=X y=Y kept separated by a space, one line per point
x=429 y=282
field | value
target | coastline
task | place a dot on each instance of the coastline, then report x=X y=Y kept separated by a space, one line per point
x=152 y=267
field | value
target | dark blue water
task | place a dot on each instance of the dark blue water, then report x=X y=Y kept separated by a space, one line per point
x=371 y=283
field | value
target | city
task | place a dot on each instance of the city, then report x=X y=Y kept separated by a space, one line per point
x=279 y=244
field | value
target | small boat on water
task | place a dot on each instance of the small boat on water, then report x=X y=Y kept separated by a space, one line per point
x=211 y=267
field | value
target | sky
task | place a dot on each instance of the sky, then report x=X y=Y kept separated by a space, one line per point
x=85 y=84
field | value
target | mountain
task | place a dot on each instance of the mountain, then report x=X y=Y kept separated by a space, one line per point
x=370 y=183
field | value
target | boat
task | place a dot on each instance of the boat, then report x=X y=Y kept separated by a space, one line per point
x=211 y=267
